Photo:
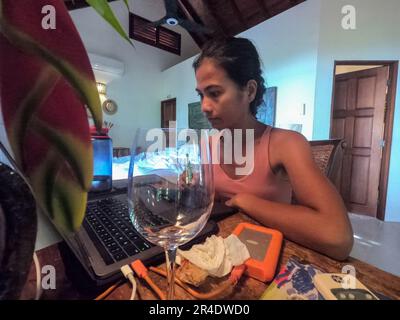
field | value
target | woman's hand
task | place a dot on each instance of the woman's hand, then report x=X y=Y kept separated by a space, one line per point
x=240 y=200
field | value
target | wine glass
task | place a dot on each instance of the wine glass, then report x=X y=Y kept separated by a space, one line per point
x=170 y=189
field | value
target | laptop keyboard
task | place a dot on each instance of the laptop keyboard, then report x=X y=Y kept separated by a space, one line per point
x=108 y=225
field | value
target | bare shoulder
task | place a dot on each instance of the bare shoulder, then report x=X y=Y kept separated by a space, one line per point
x=287 y=144
x=285 y=136
x=282 y=139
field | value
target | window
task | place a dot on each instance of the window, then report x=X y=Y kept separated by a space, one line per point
x=140 y=29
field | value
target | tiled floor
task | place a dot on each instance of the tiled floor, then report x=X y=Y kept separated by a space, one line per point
x=377 y=242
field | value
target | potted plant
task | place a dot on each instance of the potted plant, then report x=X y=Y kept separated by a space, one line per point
x=45 y=82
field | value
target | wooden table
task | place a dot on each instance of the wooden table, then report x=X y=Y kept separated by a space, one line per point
x=247 y=288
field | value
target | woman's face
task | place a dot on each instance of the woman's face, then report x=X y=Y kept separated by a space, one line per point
x=224 y=103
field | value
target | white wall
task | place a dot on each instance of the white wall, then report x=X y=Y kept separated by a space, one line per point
x=289 y=60
x=377 y=37
x=3 y=140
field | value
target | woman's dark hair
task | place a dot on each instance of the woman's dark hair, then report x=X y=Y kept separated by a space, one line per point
x=240 y=60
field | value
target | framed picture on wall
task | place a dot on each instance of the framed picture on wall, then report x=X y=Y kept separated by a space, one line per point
x=267 y=111
x=197 y=120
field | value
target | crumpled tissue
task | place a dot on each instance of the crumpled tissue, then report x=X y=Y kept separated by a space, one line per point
x=216 y=255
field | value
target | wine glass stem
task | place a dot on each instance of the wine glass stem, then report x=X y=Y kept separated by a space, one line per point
x=170 y=260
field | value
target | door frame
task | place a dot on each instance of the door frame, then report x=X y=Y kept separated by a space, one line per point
x=389 y=119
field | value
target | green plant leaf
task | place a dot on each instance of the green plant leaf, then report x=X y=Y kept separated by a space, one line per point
x=71 y=201
x=103 y=8
x=68 y=146
x=43 y=181
x=61 y=196
x=23 y=115
x=127 y=5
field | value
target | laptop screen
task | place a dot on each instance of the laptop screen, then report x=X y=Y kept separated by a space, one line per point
x=120 y=167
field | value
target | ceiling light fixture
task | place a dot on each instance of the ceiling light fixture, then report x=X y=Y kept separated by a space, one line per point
x=172 y=21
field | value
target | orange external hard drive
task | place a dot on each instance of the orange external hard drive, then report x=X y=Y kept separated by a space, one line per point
x=264 y=246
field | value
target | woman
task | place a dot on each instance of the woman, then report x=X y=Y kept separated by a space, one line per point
x=231 y=87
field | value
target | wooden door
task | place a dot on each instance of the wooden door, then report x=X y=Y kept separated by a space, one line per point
x=358 y=117
x=168 y=112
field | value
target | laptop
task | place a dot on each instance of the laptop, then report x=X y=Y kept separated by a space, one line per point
x=107 y=239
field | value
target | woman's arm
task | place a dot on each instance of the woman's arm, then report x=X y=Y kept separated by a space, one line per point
x=320 y=220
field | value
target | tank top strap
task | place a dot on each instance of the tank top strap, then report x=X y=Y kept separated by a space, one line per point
x=265 y=144
x=267 y=133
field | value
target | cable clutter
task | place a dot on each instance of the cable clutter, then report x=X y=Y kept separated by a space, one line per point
x=216 y=257
x=138 y=268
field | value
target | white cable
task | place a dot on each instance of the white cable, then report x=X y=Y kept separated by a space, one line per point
x=39 y=290
x=128 y=274
x=133 y=282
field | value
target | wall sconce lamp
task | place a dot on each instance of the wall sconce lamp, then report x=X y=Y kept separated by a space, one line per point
x=101 y=88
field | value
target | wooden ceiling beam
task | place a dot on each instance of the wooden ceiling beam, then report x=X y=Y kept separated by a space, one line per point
x=191 y=15
x=295 y=2
x=239 y=14
x=264 y=8
x=215 y=18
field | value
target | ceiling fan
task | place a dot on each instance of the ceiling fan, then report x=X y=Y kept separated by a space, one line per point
x=173 y=18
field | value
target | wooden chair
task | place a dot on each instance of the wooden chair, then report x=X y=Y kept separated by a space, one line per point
x=326 y=154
